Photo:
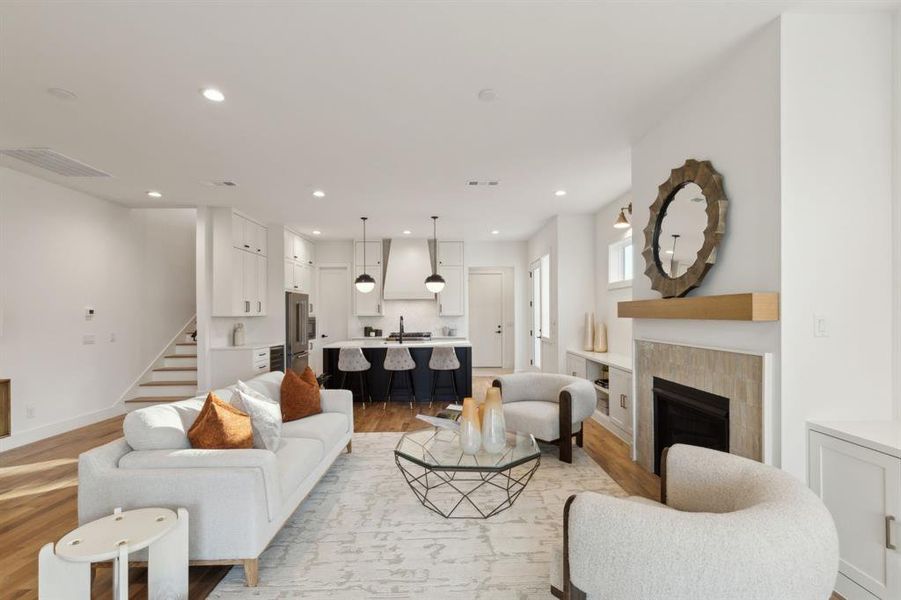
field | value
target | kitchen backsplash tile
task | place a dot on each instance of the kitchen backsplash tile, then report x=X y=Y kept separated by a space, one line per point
x=419 y=315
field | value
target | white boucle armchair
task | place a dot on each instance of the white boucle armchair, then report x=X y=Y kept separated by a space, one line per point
x=728 y=527
x=549 y=406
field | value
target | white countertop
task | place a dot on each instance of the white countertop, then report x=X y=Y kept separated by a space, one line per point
x=383 y=343
x=434 y=337
x=249 y=346
x=619 y=361
x=883 y=436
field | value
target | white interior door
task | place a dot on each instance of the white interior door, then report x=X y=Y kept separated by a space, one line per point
x=334 y=304
x=535 y=304
x=486 y=319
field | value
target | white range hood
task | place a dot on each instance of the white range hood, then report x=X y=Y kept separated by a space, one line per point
x=409 y=263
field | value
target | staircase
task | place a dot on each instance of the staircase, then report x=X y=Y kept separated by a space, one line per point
x=172 y=377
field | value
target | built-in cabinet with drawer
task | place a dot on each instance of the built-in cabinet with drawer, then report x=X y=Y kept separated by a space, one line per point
x=230 y=364
x=300 y=267
x=240 y=267
x=611 y=375
x=452 y=299
x=369 y=304
x=855 y=467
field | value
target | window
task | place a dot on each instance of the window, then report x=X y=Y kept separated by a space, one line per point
x=546 y=297
x=619 y=272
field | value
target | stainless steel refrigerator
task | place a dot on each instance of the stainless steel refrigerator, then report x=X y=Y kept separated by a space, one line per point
x=298 y=332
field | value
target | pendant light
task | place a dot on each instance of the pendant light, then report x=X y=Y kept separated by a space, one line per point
x=622 y=221
x=435 y=282
x=364 y=282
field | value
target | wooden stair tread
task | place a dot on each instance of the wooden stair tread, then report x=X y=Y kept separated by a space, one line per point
x=181 y=356
x=168 y=383
x=162 y=399
x=175 y=369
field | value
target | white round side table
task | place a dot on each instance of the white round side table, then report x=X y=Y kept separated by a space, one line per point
x=66 y=572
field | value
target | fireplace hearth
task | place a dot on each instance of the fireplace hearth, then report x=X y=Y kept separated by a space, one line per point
x=686 y=415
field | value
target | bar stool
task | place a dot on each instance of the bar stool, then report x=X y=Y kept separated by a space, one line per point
x=399 y=359
x=444 y=358
x=351 y=360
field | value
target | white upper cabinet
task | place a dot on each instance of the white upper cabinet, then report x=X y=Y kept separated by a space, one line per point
x=240 y=271
x=248 y=235
x=368 y=305
x=450 y=254
x=451 y=300
x=373 y=254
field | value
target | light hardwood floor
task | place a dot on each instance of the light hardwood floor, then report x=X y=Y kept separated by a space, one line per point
x=38 y=485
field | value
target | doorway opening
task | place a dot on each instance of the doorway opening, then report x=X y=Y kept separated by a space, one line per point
x=540 y=305
x=491 y=317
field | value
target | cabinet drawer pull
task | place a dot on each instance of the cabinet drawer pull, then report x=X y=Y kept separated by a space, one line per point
x=259 y=306
x=247 y=306
x=247 y=245
x=889 y=538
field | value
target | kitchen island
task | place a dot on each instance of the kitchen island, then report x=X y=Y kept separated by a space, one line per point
x=374 y=349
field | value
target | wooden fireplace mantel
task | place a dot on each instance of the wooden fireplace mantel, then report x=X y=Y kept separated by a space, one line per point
x=752 y=306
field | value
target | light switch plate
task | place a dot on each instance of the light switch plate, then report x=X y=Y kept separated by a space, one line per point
x=820 y=326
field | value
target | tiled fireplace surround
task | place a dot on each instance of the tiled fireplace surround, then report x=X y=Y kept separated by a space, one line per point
x=737 y=376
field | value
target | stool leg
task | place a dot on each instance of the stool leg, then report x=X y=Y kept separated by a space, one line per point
x=453 y=375
x=344 y=380
x=435 y=376
x=167 y=562
x=60 y=579
x=363 y=387
x=388 y=393
x=120 y=574
x=412 y=389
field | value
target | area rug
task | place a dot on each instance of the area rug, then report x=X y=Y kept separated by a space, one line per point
x=363 y=534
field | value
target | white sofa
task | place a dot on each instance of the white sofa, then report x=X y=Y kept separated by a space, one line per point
x=237 y=499
x=549 y=406
x=728 y=527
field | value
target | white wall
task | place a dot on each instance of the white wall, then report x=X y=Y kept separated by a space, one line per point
x=60 y=252
x=619 y=331
x=576 y=277
x=836 y=226
x=732 y=120
x=896 y=220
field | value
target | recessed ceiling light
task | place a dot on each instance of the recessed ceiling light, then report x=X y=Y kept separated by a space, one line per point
x=407 y=232
x=155 y=194
x=487 y=95
x=62 y=93
x=560 y=193
x=317 y=232
x=319 y=194
x=494 y=232
x=212 y=94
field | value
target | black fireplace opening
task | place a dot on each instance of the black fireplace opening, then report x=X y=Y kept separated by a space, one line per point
x=685 y=415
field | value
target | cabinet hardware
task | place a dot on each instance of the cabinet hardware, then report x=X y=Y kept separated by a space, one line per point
x=295 y=257
x=378 y=308
x=889 y=541
x=310 y=261
x=247 y=245
x=295 y=287
x=259 y=306
x=311 y=307
x=440 y=307
x=247 y=306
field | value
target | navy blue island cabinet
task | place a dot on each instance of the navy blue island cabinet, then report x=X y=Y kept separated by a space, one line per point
x=376 y=378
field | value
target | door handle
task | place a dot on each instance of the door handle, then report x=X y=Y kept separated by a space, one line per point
x=889 y=541
x=323 y=335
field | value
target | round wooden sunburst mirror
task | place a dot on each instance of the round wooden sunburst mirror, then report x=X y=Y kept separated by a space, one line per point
x=687 y=223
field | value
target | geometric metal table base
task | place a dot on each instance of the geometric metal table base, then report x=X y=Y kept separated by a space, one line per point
x=465 y=486
x=466 y=494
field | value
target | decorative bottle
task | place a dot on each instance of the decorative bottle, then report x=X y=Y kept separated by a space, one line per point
x=494 y=428
x=470 y=434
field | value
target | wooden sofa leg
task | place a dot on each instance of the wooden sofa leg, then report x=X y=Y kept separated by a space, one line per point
x=350 y=446
x=251 y=572
x=579 y=438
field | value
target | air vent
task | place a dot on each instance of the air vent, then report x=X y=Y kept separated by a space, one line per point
x=477 y=183
x=55 y=162
x=223 y=184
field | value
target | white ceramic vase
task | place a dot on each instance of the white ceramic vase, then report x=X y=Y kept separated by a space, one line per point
x=470 y=435
x=586 y=339
x=600 y=338
x=494 y=428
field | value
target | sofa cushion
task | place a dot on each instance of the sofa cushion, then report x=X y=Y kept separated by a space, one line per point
x=328 y=428
x=161 y=427
x=297 y=458
x=221 y=460
x=299 y=395
x=221 y=426
x=268 y=384
x=541 y=419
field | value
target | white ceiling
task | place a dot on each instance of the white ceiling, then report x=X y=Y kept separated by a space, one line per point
x=375 y=103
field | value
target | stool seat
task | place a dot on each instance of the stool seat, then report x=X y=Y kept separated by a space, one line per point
x=444 y=358
x=352 y=360
x=399 y=359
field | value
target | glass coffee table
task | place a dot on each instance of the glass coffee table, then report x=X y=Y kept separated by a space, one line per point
x=463 y=486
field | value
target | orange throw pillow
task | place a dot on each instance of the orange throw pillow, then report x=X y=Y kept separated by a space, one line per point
x=300 y=395
x=220 y=426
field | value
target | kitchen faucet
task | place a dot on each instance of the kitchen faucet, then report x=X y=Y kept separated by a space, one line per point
x=400 y=336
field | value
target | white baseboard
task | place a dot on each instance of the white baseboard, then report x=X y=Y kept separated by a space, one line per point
x=39 y=433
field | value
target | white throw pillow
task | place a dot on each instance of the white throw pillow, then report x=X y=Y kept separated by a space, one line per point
x=265 y=416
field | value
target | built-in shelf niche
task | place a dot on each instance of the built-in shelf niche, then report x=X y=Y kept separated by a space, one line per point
x=752 y=306
x=5 y=408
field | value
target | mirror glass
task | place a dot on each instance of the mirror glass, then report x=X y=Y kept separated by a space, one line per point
x=682 y=230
